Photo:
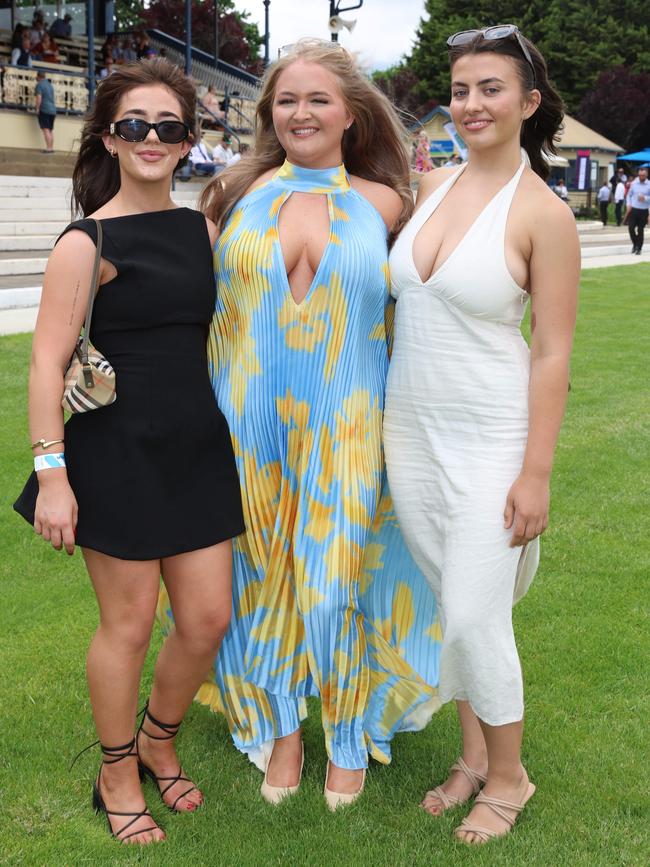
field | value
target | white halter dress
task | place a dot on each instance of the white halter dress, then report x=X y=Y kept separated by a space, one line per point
x=455 y=428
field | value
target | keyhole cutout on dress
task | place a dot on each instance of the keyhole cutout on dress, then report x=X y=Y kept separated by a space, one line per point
x=304 y=227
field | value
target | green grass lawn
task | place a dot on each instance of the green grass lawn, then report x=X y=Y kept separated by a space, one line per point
x=582 y=633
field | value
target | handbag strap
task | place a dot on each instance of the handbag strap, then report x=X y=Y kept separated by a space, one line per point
x=94 y=287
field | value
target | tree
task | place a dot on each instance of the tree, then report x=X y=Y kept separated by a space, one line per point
x=402 y=86
x=239 y=39
x=618 y=107
x=578 y=39
x=128 y=14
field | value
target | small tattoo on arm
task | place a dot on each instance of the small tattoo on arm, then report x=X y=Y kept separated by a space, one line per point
x=74 y=303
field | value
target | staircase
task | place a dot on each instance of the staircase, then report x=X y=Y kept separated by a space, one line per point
x=33 y=211
x=32 y=163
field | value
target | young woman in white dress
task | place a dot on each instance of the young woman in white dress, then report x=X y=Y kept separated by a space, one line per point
x=472 y=416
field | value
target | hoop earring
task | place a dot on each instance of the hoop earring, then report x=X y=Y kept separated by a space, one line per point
x=112 y=153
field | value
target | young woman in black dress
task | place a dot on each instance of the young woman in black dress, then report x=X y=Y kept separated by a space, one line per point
x=140 y=483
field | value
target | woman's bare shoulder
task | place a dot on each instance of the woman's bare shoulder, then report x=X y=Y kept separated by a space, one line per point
x=383 y=198
x=430 y=182
x=546 y=210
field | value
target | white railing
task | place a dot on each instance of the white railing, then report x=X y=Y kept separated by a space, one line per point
x=19 y=83
x=208 y=75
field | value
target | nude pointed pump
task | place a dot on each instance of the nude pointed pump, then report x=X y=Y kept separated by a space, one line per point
x=277 y=794
x=340 y=799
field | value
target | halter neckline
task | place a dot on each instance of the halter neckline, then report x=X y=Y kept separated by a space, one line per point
x=303 y=180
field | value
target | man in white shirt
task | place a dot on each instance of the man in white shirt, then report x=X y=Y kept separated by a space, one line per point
x=619 y=201
x=200 y=159
x=638 y=203
x=561 y=190
x=222 y=154
x=603 y=202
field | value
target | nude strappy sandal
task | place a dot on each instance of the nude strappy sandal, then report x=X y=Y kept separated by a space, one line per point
x=499 y=807
x=449 y=801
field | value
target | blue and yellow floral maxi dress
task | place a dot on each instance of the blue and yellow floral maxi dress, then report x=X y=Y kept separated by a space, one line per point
x=326 y=599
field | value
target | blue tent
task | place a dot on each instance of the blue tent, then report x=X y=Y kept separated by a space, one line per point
x=637 y=157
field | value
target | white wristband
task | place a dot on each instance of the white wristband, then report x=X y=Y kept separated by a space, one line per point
x=49 y=462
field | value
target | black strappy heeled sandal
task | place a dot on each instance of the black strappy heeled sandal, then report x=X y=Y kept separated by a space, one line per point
x=171 y=730
x=116 y=754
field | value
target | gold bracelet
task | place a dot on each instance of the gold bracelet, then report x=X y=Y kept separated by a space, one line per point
x=45 y=444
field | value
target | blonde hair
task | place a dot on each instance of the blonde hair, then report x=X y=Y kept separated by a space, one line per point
x=373 y=147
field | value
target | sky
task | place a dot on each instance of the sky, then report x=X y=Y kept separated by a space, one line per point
x=384 y=31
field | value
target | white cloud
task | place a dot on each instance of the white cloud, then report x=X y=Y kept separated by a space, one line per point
x=384 y=31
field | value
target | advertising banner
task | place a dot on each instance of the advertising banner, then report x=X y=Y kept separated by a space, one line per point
x=583 y=170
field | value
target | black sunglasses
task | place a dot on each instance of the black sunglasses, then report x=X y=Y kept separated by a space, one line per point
x=498 y=31
x=133 y=129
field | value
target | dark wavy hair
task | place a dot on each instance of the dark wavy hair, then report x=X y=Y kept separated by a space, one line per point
x=539 y=133
x=96 y=175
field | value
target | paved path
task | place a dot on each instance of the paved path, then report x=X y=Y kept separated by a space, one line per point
x=22 y=320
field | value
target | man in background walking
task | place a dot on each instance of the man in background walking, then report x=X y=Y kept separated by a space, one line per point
x=638 y=202
x=46 y=110
x=619 y=201
x=604 y=194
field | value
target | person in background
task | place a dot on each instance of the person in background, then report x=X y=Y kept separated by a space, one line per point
x=200 y=159
x=142 y=48
x=619 y=200
x=61 y=27
x=604 y=195
x=22 y=56
x=619 y=175
x=561 y=190
x=638 y=202
x=222 y=154
x=454 y=160
x=38 y=28
x=239 y=154
x=46 y=110
x=107 y=68
x=17 y=36
x=129 y=54
x=210 y=101
x=46 y=50
x=422 y=157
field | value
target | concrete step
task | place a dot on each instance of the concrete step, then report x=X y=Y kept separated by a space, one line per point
x=35 y=212
x=27 y=263
x=17 y=299
x=588 y=225
x=614 y=261
x=33 y=243
x=591 y=251
x=19 y=321
x=605 y=238
x=32 y=163
x=41 y=227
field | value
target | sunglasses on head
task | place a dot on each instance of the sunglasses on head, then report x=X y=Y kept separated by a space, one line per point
x=133 y=129
x=498 y=31
x=309 y=42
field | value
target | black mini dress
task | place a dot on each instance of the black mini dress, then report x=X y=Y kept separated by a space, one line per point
x=154 y=473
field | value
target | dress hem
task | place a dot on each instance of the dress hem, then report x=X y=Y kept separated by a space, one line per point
x=103 y=549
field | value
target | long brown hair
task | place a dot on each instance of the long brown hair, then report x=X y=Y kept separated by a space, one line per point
x=96 y=175
x=539 y=132
x=373 y=147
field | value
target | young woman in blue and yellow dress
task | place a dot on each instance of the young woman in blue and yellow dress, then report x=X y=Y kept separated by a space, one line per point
x=326 y=600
